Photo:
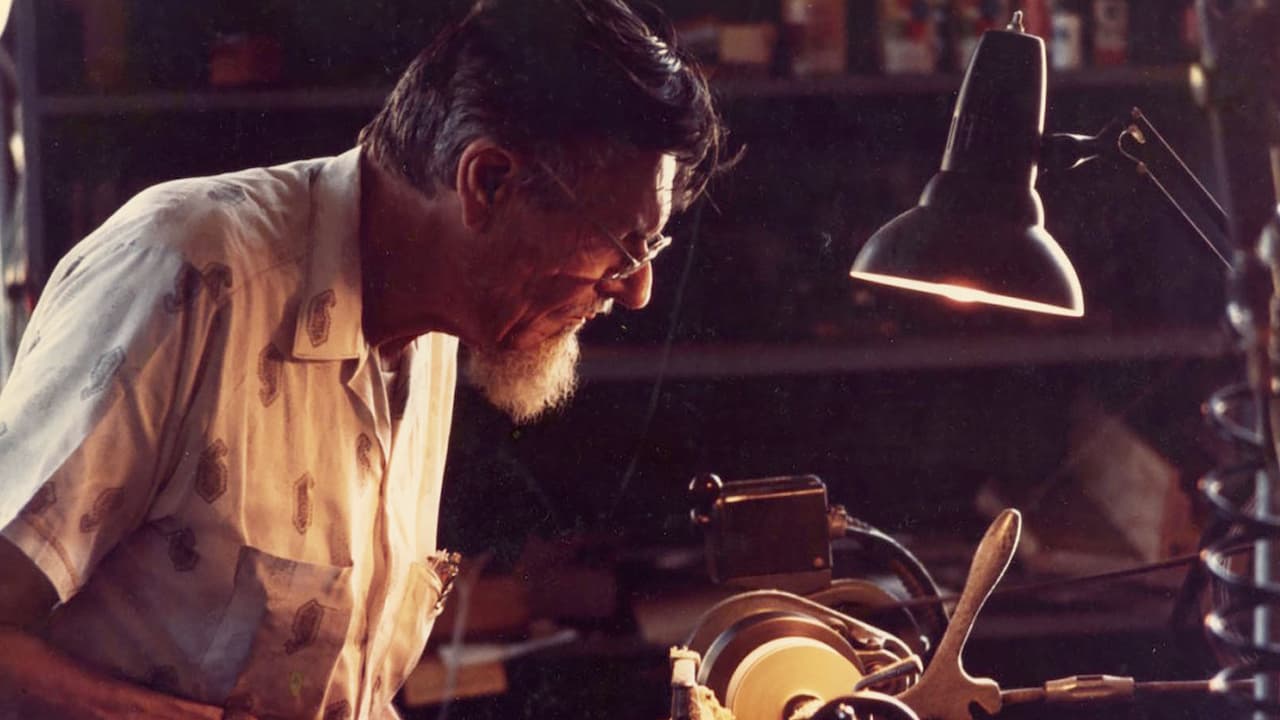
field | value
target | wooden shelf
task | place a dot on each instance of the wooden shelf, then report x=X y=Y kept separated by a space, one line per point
x=708 y=362
x=1168 y=77
x=236 y=100
x=1162 y=76
x=730 y=88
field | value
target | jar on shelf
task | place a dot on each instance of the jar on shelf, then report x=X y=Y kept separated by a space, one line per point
x=245 y=60
x=247 y=47
x=1066 y=50
x=969 y=20
x=1110 y=32
x=909 y=36
x=816 y=36
x=105 y=43
x=747 y=47
x=1037 y=18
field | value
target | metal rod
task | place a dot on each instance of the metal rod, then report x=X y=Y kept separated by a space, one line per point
x=1264 y=689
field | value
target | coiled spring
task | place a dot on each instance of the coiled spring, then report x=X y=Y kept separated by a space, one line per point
x=1243 y=530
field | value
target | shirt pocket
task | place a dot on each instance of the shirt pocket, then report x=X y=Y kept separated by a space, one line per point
x=424 y=597
x=279 y=639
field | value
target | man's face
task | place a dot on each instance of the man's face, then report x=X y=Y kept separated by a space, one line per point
x=544 y=274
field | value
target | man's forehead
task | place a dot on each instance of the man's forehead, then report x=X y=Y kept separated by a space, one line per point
x=643 y=184
x=668 y=167
x=667 y=171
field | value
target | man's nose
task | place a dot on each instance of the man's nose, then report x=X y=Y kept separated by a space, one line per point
x=632 y=292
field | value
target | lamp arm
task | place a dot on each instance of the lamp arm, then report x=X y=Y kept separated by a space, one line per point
x=1145 y=147
x=1132 y=138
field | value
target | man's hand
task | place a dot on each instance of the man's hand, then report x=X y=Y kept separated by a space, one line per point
x=38 y=681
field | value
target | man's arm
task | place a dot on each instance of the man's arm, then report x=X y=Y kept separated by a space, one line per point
x=38 y=681
x=107 y=365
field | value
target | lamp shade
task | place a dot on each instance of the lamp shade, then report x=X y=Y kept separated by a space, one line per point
x=977 y=234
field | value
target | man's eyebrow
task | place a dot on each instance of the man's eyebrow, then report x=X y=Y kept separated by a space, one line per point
x=642 y=228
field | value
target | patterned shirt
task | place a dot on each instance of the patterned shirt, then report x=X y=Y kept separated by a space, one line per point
x=198 y=448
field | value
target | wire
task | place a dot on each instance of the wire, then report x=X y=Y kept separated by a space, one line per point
x=1174 y=562
x=913 y=575
x=663 y=362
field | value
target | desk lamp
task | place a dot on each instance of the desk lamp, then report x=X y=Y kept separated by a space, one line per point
x=977 y=234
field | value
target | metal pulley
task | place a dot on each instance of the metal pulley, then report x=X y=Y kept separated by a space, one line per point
x=773 y=655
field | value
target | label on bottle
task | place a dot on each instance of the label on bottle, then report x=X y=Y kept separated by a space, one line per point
x=1066 y=52
x=970 y=19
x=908 y=37
x=1110 y=32
x=817 y=35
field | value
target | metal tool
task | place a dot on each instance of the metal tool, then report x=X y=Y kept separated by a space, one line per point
x=945 y=690
x=765 y=653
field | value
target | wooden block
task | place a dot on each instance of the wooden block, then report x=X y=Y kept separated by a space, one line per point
x=497 y=605
x=426 y=685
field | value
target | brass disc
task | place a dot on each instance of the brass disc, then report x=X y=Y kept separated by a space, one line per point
x=774 y=674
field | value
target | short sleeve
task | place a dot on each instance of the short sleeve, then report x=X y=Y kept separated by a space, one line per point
x=100 y=382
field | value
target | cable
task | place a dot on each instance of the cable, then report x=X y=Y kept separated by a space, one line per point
x=664 y=360
x=1178 y=561
x=915 y=578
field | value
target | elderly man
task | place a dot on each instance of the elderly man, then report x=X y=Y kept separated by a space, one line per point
x=223 y=439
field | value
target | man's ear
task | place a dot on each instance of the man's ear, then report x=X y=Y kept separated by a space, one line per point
x=486 y=172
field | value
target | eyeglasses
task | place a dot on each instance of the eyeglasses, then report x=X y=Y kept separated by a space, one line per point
x=653 y=246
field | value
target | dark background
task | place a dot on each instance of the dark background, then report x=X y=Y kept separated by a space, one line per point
x=777 y=364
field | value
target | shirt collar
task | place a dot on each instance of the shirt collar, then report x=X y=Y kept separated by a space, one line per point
x=329 y=317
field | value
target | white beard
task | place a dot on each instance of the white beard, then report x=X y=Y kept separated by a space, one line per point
x=525 y=384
